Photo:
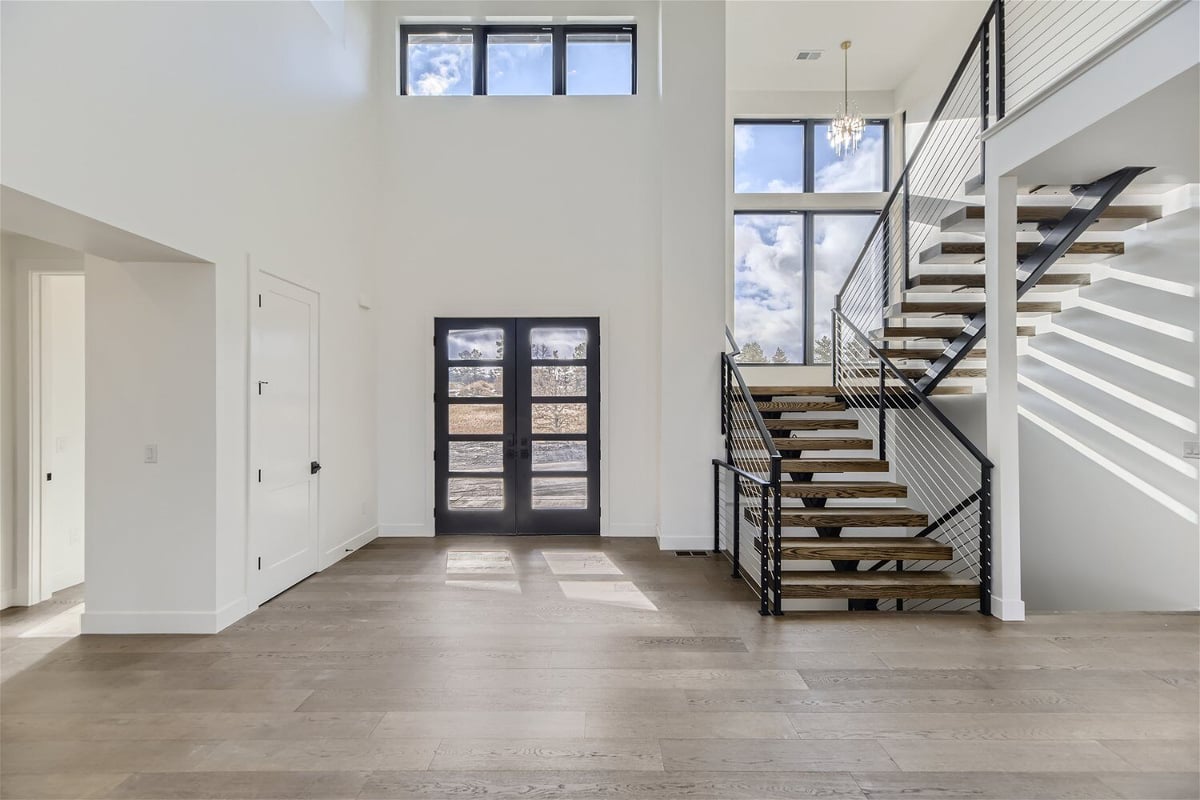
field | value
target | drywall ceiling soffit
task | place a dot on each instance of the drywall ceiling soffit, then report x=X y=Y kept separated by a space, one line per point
x=1159 y=129
x=26 y=215
x=890 y=39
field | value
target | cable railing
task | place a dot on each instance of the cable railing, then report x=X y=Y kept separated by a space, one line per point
x=752 y=470
x=947 y=476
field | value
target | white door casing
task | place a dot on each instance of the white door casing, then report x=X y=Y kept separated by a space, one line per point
x=60 y=343
x=284 y=491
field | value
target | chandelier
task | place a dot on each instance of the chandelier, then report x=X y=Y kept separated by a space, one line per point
x=846 y=130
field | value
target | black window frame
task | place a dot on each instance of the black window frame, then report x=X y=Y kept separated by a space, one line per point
x=809 y=274
x=480 y=33
x=810 y=126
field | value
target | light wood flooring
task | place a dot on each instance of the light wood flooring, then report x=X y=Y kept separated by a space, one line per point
x=536 y=668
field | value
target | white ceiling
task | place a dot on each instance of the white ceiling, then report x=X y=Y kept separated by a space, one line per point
x=890 y=37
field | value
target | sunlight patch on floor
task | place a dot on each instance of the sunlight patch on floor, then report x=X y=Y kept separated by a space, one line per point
x=65 y=623
x=580 y=562
x=505 y=587
x=479 y=562
x=613 y=593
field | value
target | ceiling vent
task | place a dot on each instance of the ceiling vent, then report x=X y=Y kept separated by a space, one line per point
x=809 y=55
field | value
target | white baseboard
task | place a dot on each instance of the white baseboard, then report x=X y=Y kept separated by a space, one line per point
x=163 y=621
x=404 y=529
x=8 y=597
x=340 y=551
x=1008 y=610
x=632 y=529
x=685 y=542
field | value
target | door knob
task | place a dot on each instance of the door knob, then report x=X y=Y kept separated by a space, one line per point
x=314 y=468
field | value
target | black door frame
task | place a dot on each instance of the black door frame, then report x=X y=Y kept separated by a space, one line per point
x=518 y=516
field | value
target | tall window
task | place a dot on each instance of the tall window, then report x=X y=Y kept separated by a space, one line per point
x=788 y=269
x=790 y=265
x=794 y=156
x=518 y=60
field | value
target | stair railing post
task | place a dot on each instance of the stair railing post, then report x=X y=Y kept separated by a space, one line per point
x=716 y=508
x=984 y=94
x=777 y=488
x=899 y=600
x=1001 y=67
x=905 y=231
x=724 y=398
x=882 y=412
x=764 y=552
x=985 y=540
x=833 y=341
x=737 y=524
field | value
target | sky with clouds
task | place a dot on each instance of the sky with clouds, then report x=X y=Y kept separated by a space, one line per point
x=519 y=64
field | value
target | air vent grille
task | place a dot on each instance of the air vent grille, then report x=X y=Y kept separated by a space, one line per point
x=692 y=553
x=809 y=55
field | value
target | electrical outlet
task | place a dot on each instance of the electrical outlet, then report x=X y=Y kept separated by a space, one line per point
x=150 y=454
x=1191 y=449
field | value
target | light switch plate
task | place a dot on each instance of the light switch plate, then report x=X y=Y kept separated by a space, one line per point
x=1191 y=449
x=150 y=455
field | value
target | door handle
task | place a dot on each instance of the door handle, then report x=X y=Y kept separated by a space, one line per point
x=314 y=468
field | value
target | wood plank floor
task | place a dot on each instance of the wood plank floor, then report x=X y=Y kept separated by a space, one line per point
x=578 y=667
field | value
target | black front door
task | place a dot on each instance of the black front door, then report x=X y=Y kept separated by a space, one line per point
x=517 y=425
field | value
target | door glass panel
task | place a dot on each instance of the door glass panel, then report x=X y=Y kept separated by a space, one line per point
x=559 y=381
x=559 y=417
x=559 y=493
x=476 y=382
x=475 y=493
x=469 y=418
x=561 y=456
x=476 y=456
x=558 y=343
x=476 y=343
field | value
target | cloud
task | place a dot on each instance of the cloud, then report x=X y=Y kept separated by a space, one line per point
x=438 y=68
x=860 y=171
x=743 y=139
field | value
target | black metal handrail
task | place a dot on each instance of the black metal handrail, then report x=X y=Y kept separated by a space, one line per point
x=994 y=9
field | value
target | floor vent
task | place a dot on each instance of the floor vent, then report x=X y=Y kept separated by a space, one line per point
x=692 y=553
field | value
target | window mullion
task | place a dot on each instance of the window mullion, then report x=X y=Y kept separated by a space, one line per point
x=559 y=57
x=809 y=156
x=809 y=289
x=479 y=46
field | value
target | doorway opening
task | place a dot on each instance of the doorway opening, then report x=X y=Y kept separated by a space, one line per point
x=517 y=425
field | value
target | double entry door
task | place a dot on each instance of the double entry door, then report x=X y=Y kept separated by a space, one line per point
x=517 y=425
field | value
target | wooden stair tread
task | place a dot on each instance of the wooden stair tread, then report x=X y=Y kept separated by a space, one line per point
x=879 y=584
x=965 y=307
x=976 y=281
x=794 y=391
x=925 y=353
x=973 y=253
x=811 y=424
x=834 y=465
x=938 y=332
x=912 y=373
x=801 y=405
x=858 y=548
x=969 y=219
x=823 y=443
x=845 y=517
x=835 y=489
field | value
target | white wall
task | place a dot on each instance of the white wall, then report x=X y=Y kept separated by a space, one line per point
x=553 y=206
x=239 y=132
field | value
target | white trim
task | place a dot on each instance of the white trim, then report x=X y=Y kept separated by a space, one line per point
x=116 y=622
x=1050 y=89
x=1008 y=610
x=685 y=543
x=8 y=598
x=339 y=551
x=617 y=530
x=409 y=529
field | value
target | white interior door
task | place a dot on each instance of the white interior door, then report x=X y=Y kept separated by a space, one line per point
x=284 y=474
x=61 y=421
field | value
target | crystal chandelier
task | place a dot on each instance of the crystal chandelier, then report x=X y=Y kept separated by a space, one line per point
x=846 y=130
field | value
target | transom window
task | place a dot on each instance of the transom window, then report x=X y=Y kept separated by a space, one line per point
x=793 y=156
x=532 y=60
x=788 y=269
